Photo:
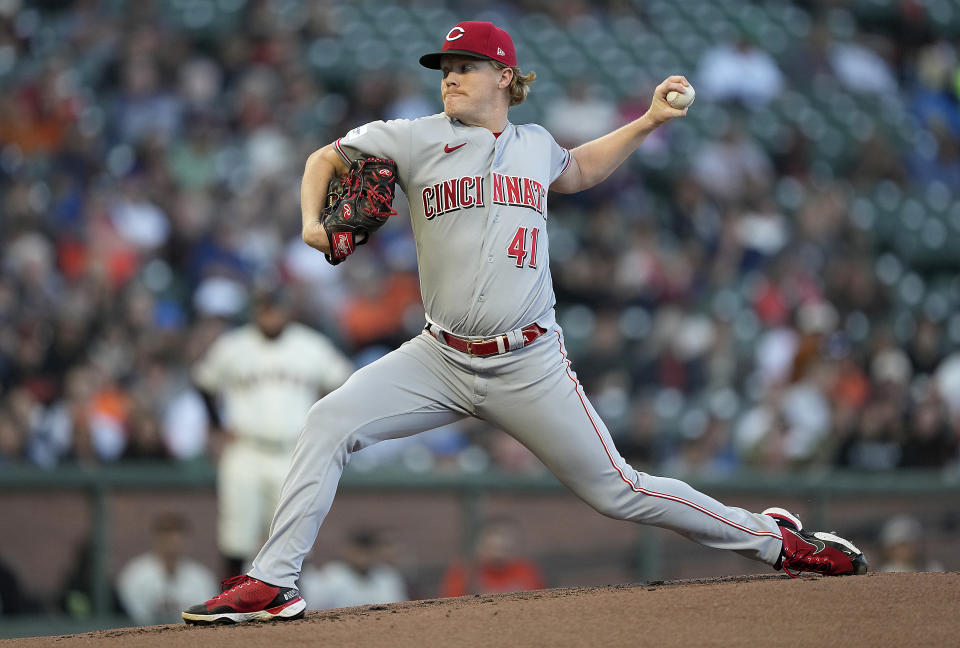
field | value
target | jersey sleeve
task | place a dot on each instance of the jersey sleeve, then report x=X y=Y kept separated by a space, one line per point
x=330 y=368
x=389 y=139
x=210 y=371
x=335 y=367
x=559 y=160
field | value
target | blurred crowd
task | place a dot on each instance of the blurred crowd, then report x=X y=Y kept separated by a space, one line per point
x=724 y=305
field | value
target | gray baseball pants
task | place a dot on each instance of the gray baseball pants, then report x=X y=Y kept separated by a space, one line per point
x=532 y=394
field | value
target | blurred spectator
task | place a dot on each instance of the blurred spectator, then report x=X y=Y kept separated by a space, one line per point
x=902 y=540
x=947 y=381
x=38 y=115
x=144 y=107
x=859 y=66
x=732 y=167
x=137 y=220
x=496 y=566
x=874 y=161
x=941 y=163
x=510 y=455
x=776 y=349
x=809 y=57
x=364 y=575
x=806 y=411
x=925 y=349
x=761 y=232
x=376 y=312
x=704 y=449
x=891 y=374
x=850 y=392
x=933 y=96
x=786 y=429
x=145 y=439
x=12 y=599
x=409 y=101
x=739 y=72
x=156 y=586
x=874 y=441
x=185 y=425
x=581 y=115
x=931 y=441
x=12 y=442
x=76 y=598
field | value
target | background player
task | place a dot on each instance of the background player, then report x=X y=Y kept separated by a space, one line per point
x=363 y=575
x=492 y=349
x=154 y=585
x=268 y=373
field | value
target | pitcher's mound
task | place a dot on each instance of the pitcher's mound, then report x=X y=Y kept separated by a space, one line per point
x=872 y=610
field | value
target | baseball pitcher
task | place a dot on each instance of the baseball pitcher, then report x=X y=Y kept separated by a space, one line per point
x=491 y=347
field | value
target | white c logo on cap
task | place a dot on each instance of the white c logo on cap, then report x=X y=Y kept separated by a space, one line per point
x=451 y=37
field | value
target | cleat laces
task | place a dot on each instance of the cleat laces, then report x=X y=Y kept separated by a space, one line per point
x=233 y=583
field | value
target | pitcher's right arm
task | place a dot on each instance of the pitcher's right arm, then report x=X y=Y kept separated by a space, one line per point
x=322 y=166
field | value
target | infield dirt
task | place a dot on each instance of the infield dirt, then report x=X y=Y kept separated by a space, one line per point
x=871 y=610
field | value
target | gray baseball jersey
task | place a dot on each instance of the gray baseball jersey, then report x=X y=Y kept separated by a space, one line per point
x=478 y=207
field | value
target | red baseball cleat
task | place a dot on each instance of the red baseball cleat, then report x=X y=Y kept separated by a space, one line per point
x=821 y=552
x=245 y=598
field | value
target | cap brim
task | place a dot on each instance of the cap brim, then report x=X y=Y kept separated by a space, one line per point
x=432 y=61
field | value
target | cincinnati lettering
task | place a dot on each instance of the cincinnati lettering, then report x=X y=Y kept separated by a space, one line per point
x=519 y=192
x=451 y=195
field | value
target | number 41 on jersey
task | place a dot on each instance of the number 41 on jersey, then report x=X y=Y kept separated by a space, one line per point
x=518 y=247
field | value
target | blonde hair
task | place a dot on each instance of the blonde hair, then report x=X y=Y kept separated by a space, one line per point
x=519 y=84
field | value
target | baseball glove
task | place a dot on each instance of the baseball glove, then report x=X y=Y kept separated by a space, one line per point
x=358 y=204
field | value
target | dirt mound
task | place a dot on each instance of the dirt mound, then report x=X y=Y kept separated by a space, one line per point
x=872 y=610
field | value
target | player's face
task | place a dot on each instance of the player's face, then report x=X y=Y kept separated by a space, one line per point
x=271 y=320
x=469 y=85
x=169 y=544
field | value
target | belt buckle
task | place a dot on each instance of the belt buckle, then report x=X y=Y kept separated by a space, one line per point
x=470 y=344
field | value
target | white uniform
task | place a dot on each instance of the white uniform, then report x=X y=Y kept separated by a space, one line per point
x=151 y=595
x=479 y=212
x=267 y=387
x=337 y=585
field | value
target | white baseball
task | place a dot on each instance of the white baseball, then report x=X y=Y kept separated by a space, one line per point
x=681 y=101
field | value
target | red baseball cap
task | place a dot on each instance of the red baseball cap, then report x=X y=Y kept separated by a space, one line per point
x=472 y=38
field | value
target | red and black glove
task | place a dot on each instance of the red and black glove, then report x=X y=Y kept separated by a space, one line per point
x=358 y=204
